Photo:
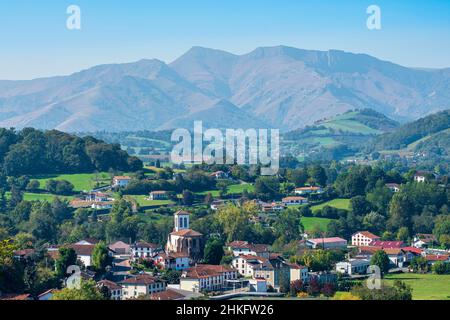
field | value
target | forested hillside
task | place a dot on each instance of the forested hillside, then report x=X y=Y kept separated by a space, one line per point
x=32 y=151
x=413 y=132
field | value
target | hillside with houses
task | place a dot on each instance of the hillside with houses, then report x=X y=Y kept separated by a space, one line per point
x=222 y=232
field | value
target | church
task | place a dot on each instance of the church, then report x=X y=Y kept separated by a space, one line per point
x=184 y=240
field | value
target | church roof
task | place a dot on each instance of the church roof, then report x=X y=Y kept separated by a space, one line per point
x=186 y=233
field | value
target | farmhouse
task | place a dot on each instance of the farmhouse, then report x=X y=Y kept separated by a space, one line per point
x=204 y=277
x=327 y=243
x=293 y=201
x=121 y=181
x=141 y=285
x=363 y=238
x=159 y=195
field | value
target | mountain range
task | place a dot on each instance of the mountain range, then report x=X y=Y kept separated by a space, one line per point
x=272 y=87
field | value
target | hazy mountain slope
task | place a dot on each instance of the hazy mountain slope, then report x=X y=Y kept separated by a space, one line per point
x=281 y=87
x=222 y=115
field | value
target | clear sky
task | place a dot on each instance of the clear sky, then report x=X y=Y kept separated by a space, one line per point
x=35 y=41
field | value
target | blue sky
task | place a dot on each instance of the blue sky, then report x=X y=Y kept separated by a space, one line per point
x=35 y=41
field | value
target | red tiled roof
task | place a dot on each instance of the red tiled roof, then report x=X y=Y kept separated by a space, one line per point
x=327 y=240
x=393 y=251
x=158 y=192
x=367 y=234
x=186 y=233
x=109 y=284
x=437 y=257
x=142 y=279
x=287 y=199
x=413 y=250
x=15 y=297
x=83 y=249
x=23 y=252
x=308 y=188
x=167 y=295
x=143 y=244
x=388 y=244
x=206 y=270
x=122 y=178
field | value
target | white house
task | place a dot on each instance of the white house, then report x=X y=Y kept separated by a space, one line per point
x=245 y=248
x=144 y=250
x=217 y=204
x=121 y=181
x=84 y=253
x=423 y=176
x=102 y=205
x=206 y=278
x=363 y=238
x=219 y=175
x=174 y=261
x=293 y=201
x=327 y=243
x=394 y=187
x=141 y=285
x=423 y=240
x=353 y=266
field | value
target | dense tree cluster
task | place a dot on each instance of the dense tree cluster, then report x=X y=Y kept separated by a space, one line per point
x=32 y=152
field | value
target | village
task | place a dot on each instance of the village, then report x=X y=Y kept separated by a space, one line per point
x=135 y=269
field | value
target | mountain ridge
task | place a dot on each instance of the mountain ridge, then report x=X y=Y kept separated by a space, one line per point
x=280 y=87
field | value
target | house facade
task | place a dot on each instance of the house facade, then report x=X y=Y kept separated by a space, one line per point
x=144 y=250
x=294 y=201
x=202 y=278
x=245 y=248
x=141 y=285
x=353 y=266
x=364 y=238
x=121 y=181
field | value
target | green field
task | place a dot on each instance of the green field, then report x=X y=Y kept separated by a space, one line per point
x=81 y=181
x=144 y=202
x=425 y=286
x=336 y=203
x=311 y=223
x=233 y=189
x=28 y=196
